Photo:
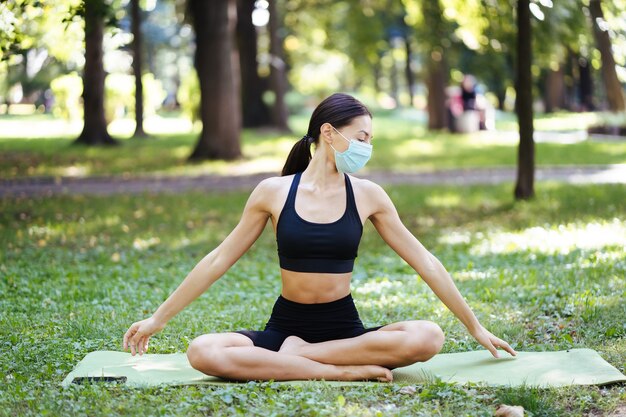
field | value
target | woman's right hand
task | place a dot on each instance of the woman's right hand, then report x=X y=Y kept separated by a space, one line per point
x=138 y=335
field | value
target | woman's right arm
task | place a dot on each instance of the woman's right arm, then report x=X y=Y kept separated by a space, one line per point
x=208 y=270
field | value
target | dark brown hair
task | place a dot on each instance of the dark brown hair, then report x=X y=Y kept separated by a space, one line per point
x=338 y=110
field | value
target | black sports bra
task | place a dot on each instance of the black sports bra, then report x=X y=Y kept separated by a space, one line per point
x=305 y=246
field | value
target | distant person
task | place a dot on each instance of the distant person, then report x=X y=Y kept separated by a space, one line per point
x=476 y=112
x=48 y=100
x=317 y=212
x=468 y=92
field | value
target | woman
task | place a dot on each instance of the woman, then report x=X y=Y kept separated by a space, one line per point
x=318 y=212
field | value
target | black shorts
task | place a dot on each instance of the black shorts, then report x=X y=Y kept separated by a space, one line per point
x=313 y=323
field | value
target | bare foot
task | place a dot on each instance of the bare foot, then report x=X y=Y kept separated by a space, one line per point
x=292 y=345
x=365 y=373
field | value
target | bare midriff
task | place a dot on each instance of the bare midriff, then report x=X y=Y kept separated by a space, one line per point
x=314 y=287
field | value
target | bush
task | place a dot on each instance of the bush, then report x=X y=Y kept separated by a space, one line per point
x=67 y=90
x=120 y=95
x=119 y=98
x=188 y=96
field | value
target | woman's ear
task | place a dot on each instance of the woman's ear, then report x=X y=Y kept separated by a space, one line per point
x=326 y=131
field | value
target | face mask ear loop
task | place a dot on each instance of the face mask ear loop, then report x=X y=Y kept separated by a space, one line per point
x=348 y=140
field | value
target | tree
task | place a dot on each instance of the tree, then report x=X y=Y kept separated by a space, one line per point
x=137 y=65
x=254 y=111
x=433 y=31
x=278 y=72
x=10 y=35
x=437 y=78
x=95 y=126
x=614 y=93
x=216 y=61
x=524 y=188
x=37 y=44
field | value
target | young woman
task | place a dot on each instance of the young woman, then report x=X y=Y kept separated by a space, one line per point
x=318 y=212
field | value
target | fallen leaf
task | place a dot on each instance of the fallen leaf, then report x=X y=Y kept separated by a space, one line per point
x=509 y=411
x=409 y=389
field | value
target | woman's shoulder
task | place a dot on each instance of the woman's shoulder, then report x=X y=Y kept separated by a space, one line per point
x=272 y=185
x=268 y=191
x=368 y=191
x=275 y=182
x=369 y=187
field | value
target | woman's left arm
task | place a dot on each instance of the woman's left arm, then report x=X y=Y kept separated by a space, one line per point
x=388 y=224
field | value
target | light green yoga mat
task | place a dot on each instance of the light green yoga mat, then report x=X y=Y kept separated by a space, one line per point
x=575 y=366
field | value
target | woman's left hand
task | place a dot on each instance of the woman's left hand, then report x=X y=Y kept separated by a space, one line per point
x=491 y=342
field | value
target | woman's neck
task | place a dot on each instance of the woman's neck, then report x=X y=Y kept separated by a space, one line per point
x=322 y=172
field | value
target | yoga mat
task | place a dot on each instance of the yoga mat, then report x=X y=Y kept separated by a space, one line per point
x=543 y=369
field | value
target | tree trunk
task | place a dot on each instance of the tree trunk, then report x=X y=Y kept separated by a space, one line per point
x=524 y=189
x=136 y=47
x=410 y=77
x=436 y=78
x=614 y=93
x=278 y=71
x=376 y=72
x=585 y=86
x=555 y=90
x=254 y=111
x=95 y=126
x=217 y=64
x=393 y=78
x=436 y=83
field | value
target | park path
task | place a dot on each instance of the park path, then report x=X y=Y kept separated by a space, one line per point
x=47 y=186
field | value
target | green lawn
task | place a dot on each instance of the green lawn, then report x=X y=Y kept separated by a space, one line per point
x=77 y=271
x=41 y=146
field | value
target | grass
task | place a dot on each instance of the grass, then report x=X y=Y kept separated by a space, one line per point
x=76 y=271
x=42 y=146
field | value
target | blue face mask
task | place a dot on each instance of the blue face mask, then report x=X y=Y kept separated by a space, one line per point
x=353 y=158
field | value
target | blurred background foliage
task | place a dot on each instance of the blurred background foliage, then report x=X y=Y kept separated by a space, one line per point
x=376 y=48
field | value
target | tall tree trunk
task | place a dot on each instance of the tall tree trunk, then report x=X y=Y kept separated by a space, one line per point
x=436 y=78
x=410 y=77
x=393 y=78
x=555 y=90
x=376 y=71
x=524 y=189
x=436 y=83
x=278 y=71
x=614 y=93
x=95 y=127
x=585 y=86
x=254 y=110
x=136 y=46
x=217 y=64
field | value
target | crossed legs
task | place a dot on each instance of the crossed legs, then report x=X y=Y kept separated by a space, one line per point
x=233 y=355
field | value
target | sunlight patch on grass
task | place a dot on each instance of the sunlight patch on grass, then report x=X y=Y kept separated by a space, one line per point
x=143 y=244
x=454 y=237
x=377 y=286
x=74 y=171
x=482 y=138
x=562 y=121
x=417 y=148
x=444 y=200
x=280 y=146
x=181 y=152
x=255 y=166
x=48 y=128
x=474 y=275
x=153 y=125
x=560 y=239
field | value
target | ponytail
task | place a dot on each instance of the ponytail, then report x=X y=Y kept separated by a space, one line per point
x=299 y=157
x=338 y=109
